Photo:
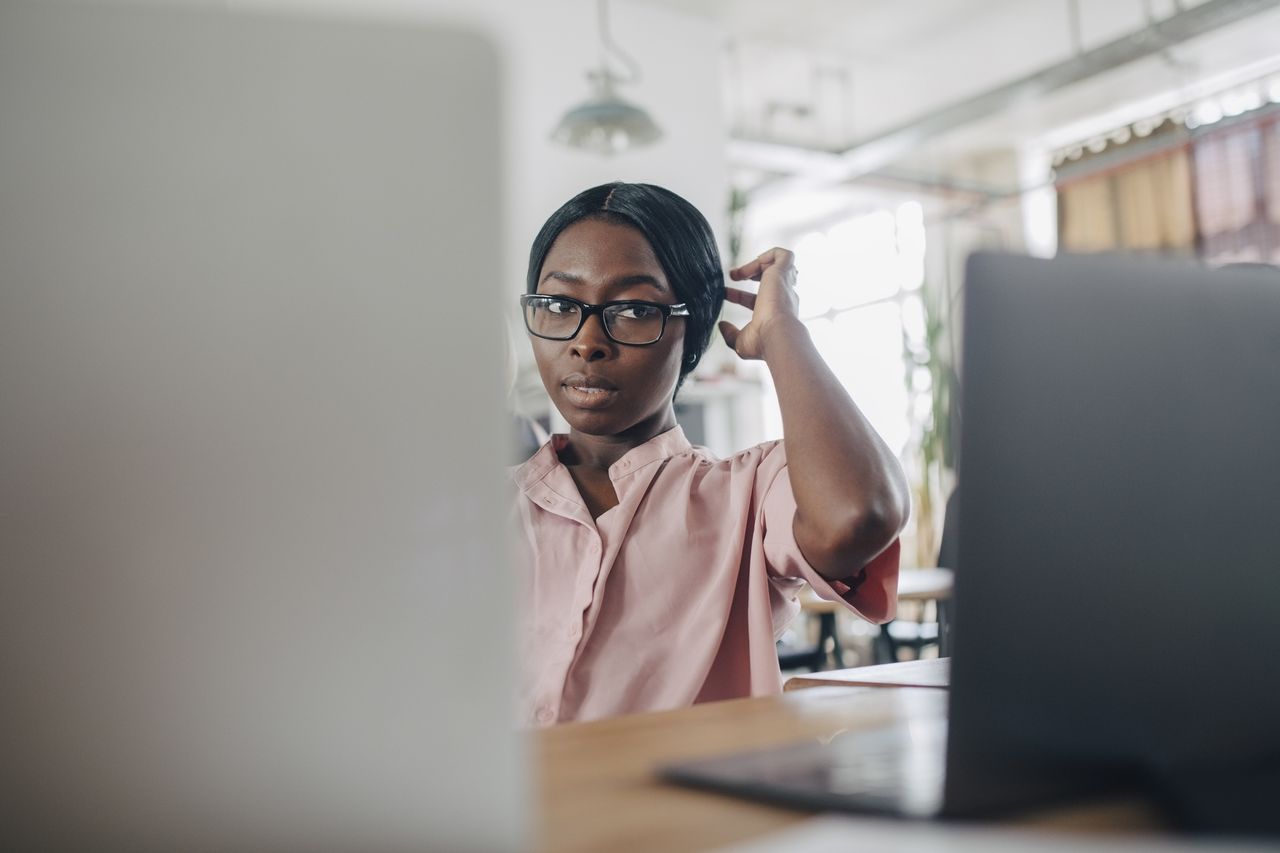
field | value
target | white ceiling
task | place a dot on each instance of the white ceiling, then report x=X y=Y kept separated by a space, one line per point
x=857 y=29
x=826 y=73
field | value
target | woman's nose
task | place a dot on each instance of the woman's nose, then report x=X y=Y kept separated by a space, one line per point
x=592 y=343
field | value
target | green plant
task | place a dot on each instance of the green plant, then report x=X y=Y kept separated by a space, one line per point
x=737 y=213
x=935 y=444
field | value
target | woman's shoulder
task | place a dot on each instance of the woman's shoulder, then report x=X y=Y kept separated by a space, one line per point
x=748 y=458
x=759 y=452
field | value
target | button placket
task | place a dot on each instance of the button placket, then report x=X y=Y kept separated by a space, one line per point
x=586 y=587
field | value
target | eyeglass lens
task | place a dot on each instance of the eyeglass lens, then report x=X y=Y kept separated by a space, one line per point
x=628 y=324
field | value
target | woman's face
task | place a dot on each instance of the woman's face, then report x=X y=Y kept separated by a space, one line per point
x=600 y=386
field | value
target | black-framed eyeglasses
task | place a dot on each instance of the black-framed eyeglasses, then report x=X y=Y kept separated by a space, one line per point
x=628 y=321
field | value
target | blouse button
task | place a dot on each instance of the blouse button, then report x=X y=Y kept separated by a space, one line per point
x=545 y=715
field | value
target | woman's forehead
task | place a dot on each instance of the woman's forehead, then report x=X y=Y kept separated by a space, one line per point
x=597 y=252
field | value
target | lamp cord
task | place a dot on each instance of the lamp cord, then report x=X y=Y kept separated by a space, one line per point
x=602 y=19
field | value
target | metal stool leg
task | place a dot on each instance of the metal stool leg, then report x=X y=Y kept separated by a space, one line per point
x=827 y=629
x=885 y=647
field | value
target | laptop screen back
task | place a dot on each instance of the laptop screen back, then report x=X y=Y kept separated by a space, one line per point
x=1118 y=541
x=251 y=437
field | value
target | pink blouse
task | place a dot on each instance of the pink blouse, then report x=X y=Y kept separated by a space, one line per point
x=676 y=595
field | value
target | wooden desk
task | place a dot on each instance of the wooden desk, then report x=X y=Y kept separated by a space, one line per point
x=597 y=789
x=935 y=673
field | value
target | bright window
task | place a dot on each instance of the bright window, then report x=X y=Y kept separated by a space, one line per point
x=859 y=287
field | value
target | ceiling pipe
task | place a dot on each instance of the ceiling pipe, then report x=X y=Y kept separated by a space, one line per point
x=808 y=168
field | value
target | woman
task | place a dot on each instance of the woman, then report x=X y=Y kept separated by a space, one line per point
x=659 y=576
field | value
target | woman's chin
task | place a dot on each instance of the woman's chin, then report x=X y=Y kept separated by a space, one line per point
x=593 y=414
x=593 y=423
x=614 y=424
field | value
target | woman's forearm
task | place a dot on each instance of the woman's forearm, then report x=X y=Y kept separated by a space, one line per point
x=851 y=494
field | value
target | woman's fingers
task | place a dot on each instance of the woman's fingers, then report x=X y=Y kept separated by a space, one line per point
x=740 y=297
x=777 y=256
x=751 y=269
x=730 y=334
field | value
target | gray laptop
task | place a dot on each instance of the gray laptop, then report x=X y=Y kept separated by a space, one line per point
x=1118 y=577
x=250 y=434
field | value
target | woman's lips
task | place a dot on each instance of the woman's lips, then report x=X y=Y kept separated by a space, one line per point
x=587 y=396
x=589 y=392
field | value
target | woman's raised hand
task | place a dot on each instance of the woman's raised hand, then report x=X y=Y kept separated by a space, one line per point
x=774 y=307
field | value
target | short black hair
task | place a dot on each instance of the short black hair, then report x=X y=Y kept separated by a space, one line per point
x=681 y=239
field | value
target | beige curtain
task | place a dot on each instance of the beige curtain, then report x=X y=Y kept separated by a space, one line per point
x=1271 y=186
x=1155 y=206
x=1087 y=216
x=1271 y=151
x=1219 y=195
x=1225 y=185
x=1147 y=206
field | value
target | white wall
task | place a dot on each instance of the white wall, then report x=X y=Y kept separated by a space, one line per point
x=680 y=87
x=549 y=46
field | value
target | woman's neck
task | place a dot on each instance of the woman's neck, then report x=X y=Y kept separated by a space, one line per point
x=601 y=451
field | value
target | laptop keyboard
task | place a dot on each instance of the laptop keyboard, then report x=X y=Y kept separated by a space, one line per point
x=896 y=770
x=901 y=769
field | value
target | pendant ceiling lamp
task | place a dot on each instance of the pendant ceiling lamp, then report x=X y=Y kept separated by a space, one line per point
x=605 y=123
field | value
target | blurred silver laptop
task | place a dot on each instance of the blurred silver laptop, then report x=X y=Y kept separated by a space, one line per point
x=250 y=434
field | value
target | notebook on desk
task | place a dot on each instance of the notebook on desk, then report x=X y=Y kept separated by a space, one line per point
x=1116 y=585
x=251 y=433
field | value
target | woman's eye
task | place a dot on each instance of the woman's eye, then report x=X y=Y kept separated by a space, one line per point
x=637 y=312
x=558 y=307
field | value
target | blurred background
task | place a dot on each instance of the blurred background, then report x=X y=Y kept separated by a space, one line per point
x=884 y=141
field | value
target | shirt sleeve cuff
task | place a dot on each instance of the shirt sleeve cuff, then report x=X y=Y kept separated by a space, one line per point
x=872 y=591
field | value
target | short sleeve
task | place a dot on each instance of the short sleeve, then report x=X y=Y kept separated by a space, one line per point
x=871 y=590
